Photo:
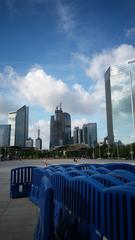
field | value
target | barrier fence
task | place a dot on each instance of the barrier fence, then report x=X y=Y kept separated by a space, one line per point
x=86 y=201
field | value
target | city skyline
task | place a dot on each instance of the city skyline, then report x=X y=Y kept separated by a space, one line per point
x=58 y=51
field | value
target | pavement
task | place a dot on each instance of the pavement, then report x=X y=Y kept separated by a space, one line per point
x=18 y=217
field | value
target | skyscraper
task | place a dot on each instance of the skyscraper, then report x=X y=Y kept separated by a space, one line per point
x=38 y=141
x=120 y=102
x=19 y=126
x=12 y=121
x=86 y=135
x=5 y=135
x=60 y=128
x=90 y=134
x=76 y=135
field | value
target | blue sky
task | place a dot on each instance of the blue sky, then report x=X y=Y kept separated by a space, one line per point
x=58 y=50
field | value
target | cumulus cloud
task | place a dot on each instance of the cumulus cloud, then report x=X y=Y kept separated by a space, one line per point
x=42 y=89
x=99 y=63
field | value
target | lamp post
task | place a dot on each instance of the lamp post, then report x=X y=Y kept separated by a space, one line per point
x=93 y=154
x=131 y=151
x=99 y=150
x=108 y=150
x=117 y=145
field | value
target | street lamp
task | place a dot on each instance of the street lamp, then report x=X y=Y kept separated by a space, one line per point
x=108 y=150
x=131 y=151
x=117 y=146
x=99 y=150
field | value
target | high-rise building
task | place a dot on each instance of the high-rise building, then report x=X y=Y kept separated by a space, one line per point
x=5 y=135
x=86 y=135
x=80 y=136
x=38 y=141
x=120 y=102
x=19 y=126
x=60 y=128
x=90 y=134
x=76 y=135
x=12 y=121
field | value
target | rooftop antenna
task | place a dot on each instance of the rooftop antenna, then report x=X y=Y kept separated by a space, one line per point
x=38 y=132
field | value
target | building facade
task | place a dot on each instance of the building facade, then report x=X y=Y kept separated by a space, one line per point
x=86 y=135
x=76 y=135
x=90 y=134
x=60 y=128
x=5 y=135
x=12 y=121
x=29 y=142
x=19 y=121
x=120 y=102
x=38 y=141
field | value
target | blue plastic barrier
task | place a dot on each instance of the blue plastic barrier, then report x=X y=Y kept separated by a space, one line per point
x=38 y=174
x=123 y=175
x=20 y=181
x=45 y=226
x=119 y=213
x=90 y=202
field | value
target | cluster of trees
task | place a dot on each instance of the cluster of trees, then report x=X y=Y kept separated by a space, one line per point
x=105 y=151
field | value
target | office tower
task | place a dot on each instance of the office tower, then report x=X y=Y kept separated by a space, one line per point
x=29 y=142
x=67 y=128
x=80 y=136
x=120 y=102
x=76 y=135
x=11 y=121
x=5 y=135
x=38 y=141
x=60 y=128
x=90 y=134
x=85 y=134
x=19 y=126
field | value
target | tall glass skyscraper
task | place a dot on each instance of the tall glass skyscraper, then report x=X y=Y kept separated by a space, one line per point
x=19 y=126
x=5 y=135
x=120 y=102
x=11 y=121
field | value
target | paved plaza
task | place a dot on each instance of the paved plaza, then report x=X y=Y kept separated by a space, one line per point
x=18 y=217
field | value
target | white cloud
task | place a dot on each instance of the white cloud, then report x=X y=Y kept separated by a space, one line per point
x=130 y=32
x=99 y=63
x=42 y=89
x=65 y=13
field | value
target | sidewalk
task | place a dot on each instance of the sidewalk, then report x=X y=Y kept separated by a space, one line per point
x=18 y=217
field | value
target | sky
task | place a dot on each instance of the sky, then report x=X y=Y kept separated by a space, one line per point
x=54 y=51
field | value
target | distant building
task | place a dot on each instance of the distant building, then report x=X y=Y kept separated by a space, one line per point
x=120 y=102
x=38 y=141
x=80 y=136
x=12 y=121
x=19 y=121
x=91 y=134
x=29 y=142
x=5 y=135
x=60 y=128
x=76 y=135
x=86 y=135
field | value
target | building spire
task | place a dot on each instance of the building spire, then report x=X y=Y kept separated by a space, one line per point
x=38 y=132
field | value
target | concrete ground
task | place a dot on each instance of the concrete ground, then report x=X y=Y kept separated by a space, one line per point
x=18 y=217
